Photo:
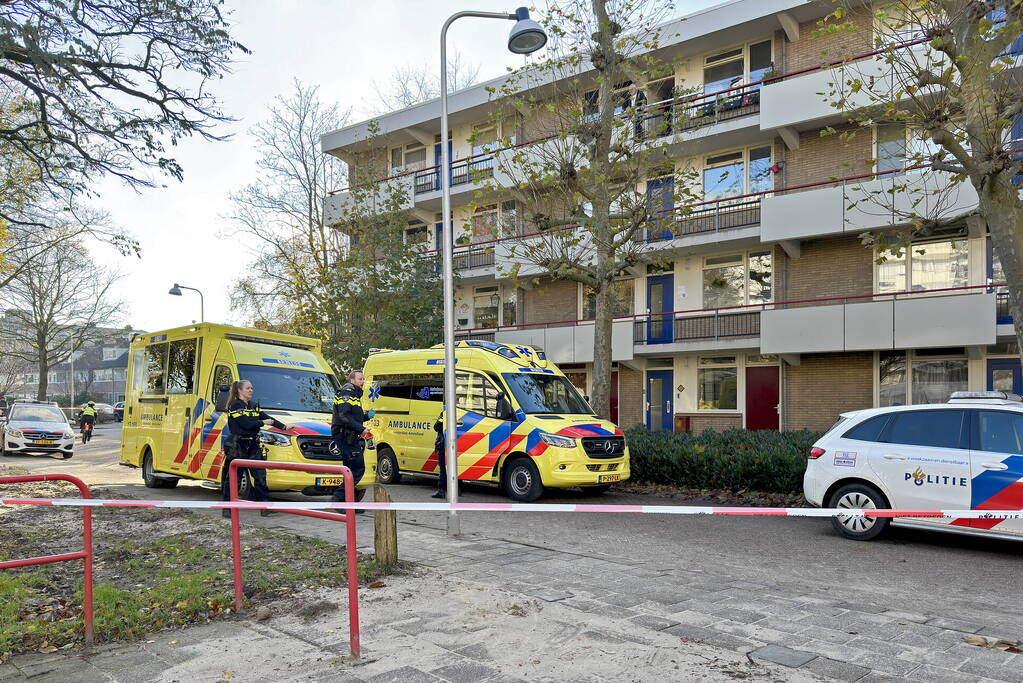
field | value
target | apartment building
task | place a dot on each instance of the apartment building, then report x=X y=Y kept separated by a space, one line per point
x=767 y=311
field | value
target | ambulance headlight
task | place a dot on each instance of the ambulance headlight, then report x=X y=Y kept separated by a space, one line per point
x=557 y=441
x=274 y=439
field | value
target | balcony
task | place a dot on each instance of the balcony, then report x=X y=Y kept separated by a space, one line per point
x=862 y=203
x=569 y=341
x=962 y=316
x=394 y=193
x=463 y=172
x=473 y=263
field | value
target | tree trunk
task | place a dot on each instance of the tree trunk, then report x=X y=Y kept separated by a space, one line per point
x=44 y=380
x=1000 y=204
x=603 y=325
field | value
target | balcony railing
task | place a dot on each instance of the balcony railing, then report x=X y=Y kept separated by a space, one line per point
x=726 y=322
x=464 y=259
x=706 y=217
x=471 y=169
x=1002 y=315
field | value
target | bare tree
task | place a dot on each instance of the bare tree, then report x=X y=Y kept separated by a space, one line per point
x=585 y=188
x=414 y=83
x=280 y=214
x=948 y=74
x=12 y=371
x=54 y=307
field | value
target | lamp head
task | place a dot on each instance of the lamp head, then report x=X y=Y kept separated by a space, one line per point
x=175 y=290
x=526 y=35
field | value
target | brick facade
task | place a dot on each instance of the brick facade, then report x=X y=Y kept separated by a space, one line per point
x=701 y=422
x=813 y=50
x=551 y=301
x=824 y=385
x=820 y=159
x=630 y=398
x=839 y=266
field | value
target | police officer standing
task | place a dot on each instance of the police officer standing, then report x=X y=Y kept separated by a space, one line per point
x=244 y=420
x=348 y=432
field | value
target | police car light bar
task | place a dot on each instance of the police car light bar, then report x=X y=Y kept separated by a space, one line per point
x=985 y=395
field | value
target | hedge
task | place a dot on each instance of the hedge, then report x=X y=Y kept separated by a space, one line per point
x=768 y=461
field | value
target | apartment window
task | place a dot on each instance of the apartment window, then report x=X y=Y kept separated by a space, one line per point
x=494 y=306
x=924 y=266
x=410 y=157
x=900 y=146
x=112 y=353
x=737 y=173
x=509 y=308
x=484 y=223
x=624 y=293
x=484 y=140
x=417 y=234
x=733 y=67
x=737 y=279
x=923 y=375
x=717 y=380
x=119 y=374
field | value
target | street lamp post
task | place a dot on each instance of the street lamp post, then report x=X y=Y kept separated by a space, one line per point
x=176 y=291
x=526 y=37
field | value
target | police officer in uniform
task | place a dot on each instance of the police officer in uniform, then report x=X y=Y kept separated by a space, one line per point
x=88 y=417
x=348 y=432
x=244 y=420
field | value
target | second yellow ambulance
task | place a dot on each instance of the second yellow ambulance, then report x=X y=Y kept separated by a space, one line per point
x=521 y=422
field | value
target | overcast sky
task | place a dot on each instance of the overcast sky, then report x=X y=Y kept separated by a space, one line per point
x=342 y=46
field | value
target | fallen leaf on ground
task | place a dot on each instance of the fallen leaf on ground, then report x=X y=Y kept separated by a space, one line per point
x=378 y=584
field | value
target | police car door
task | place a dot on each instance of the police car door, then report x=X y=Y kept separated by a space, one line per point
x=923 y=457
x=997 y=467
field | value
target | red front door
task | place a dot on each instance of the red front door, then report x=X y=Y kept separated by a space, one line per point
x=762 y=397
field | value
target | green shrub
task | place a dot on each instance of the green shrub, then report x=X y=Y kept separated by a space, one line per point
x=768 y=461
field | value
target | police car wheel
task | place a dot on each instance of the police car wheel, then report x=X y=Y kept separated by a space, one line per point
x=859 y=497
x=521 y=481
x=387 y=467
x=67 y=455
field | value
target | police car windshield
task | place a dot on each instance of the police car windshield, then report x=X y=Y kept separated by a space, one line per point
x=37 y=414
x=552 y=394
x=289 y=389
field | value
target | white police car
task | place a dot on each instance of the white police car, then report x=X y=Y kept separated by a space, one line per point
x=961 y=455
x=36 y=427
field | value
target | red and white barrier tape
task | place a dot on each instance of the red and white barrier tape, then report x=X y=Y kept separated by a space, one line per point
x=518 y=507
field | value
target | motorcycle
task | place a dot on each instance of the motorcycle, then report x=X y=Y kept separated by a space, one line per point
x=86 y=432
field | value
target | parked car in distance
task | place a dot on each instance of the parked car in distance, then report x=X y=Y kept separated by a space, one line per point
x=966 y=454
x=119 y=411
x=104 y=413
x=36 y=427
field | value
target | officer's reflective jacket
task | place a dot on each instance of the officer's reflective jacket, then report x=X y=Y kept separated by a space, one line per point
x=348 y=416
x=88 y=411
x=245 y=419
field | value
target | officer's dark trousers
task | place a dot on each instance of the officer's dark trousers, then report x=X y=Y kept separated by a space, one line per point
x=353 y=457
x=247 y=449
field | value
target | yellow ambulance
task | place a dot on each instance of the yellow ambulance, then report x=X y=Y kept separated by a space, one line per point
x=175 y=416
x=521 y=423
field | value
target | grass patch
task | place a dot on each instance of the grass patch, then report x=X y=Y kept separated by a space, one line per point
x=153 y=570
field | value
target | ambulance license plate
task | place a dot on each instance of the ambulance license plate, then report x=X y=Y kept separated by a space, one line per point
x=45 y=442
x=608 y=478
x=330 y=481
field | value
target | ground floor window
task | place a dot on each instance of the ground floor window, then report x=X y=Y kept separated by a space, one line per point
x=921 y=376
x=717 y=383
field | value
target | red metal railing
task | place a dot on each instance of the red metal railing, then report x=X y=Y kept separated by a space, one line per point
x=84 y=554
x=641 y=317
x=348 y=518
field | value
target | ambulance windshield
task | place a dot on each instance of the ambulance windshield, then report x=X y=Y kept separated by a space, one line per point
x=551 y=394
x=288 y=389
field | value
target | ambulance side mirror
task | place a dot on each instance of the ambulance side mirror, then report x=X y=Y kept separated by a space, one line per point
x=222 y=392
x=504 y=408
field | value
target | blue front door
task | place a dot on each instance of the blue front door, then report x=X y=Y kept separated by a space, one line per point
x=1003 y=374
x=660 y=195
x=436 y=162
x=659 y=299
x=658 y=400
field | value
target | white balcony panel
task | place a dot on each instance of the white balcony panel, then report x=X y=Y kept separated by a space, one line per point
x=802 y=330
x=571 y=343
x=799 y=215
x=859 y=206
x=394 y=193
x=869 y=326
x=945 y=321
x=796 y=100
x=924 y=322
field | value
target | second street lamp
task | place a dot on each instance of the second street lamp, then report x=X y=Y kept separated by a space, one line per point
x=176 y=291
x=526 y=37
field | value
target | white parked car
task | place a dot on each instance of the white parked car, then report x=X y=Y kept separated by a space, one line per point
x=966 y=454
x=37 y=427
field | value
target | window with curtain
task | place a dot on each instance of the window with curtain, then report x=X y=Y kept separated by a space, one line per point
x=924 y=266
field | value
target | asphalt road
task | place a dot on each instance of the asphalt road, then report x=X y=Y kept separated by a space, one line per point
x=908 y=570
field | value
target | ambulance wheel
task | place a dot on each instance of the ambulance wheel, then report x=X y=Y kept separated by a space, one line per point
x=149 y=477
x=521 y=480
x=597 y=490
x=387 y=467
x=859 y=497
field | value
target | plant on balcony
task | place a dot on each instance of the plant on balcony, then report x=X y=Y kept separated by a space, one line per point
x=602 y=177
x=945 y=92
